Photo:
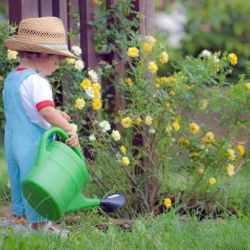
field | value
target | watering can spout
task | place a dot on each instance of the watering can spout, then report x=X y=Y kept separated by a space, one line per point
x=80 y=202
x=108 y=204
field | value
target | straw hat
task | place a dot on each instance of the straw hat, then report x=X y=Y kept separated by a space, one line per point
x=43 y=35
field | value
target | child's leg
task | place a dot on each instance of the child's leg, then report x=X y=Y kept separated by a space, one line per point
x=16 y=192
x=26 y=158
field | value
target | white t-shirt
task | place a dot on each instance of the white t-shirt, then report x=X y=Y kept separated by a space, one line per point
x=36 y=93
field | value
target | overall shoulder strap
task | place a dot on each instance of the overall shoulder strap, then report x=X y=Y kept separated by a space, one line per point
x=24 y=74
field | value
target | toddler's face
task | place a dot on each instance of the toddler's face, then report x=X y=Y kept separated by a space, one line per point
x=51 y=63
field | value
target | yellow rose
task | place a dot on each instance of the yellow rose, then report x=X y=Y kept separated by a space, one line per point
x=212 y=181
x=241 y=149
x=126 y=122
x=208 y=138
x=230 y=169
x=79 y=103
x=167 y=104
x=167 y=202
x=147 y=48
x=183 y=140
x=148 y=120
x=86 y=83
x=231 y=154
x=70 y=61
x=248 y=85
x=203 y=104
x=96 y=87
x=133 y=52
x=164 y=57
x=96 y=104
x=194 y=128
x=129 y=81
x=138 y=120
x=125 y=161
x=176 y=126
x=194 y=154
x=152 y=67
x=172 y=93
x=232 y=59
x=123 y=149
x=157 y=85
x=151 y=39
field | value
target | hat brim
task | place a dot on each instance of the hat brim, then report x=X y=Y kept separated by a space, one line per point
x=18 y=45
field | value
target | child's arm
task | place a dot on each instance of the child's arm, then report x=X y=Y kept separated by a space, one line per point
x=55 y=118
x=66 y=116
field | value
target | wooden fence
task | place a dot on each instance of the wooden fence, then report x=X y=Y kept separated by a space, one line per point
x=21 y=9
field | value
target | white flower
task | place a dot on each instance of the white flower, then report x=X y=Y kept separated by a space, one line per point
x=105 y=126
x=169 y=129
x=116 y=135
x=151 y=131
x=93 y=75
x=205 y=53
x=173 y=140
x=216 y=59
x=12 y=55
x=76 y=50
x=79 y=65
x=90 y=93
x=92 y=137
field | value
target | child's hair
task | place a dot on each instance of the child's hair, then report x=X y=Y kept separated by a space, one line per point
x=35 y=55
x=32 y=55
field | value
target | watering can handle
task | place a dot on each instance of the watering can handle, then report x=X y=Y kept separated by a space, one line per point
x=55 y=130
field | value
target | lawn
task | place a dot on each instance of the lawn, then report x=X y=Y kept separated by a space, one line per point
x=166 y=231
x=3 y=178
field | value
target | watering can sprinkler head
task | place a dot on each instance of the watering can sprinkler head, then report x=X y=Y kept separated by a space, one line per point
x=113 y=202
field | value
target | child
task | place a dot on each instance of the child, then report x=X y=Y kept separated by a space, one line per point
x=29 y=107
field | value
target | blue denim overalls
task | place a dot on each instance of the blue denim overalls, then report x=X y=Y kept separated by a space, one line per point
x=21 y=142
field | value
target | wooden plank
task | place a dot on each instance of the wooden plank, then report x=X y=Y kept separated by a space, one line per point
x=146 y=7
x=15 y=14
x=60 y=9
x=45 y=8
x=22 y=9
x=86 y=9
x=29 y=8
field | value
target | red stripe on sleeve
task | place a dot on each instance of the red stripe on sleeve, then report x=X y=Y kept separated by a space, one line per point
x=44 y=104
x=20 y=69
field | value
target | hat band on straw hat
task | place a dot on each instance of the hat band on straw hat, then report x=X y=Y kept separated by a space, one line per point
x=62 y=46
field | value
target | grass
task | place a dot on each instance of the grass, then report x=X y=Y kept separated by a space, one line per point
x=4 y=191
x=166 y=231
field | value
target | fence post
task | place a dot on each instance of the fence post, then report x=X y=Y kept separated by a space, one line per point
x=21 y=9
x=45 y=8
x=152 y=185
x=146 y=8
x=86 y=10
x=60 y=9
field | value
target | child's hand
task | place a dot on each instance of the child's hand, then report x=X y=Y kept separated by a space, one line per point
x=64 y=115
x=73 y=139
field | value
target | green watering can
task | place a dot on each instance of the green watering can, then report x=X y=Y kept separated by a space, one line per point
x=53 y=185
